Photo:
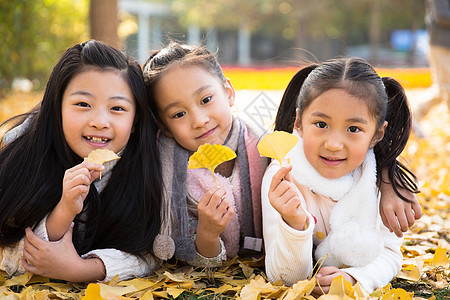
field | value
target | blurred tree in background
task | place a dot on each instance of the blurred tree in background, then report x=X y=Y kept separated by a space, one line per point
x=36 y=32
x=104 y=21
x=317 y=26
x=34 y=35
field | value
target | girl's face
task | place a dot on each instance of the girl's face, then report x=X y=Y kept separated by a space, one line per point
x=98 y=110
x=194 y=106
x=337 y=130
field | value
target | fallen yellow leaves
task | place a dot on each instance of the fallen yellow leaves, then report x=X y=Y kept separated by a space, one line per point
x=426 y=248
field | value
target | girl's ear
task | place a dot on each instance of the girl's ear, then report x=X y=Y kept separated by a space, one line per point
x=379 y=134
x=230 y=91
x=298 y=123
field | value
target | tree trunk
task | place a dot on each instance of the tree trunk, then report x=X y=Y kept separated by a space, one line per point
x=375 y=28
x=104 y=21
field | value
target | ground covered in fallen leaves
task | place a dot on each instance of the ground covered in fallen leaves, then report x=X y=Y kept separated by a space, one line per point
x=425 y=273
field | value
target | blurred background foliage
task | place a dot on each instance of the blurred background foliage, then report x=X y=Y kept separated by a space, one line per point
x=34 y=35
x=36 y=32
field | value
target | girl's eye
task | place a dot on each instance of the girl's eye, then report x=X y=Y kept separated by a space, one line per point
x=353 y=129
x=179 y=115
x=206 y=100
x=118 y=108
x=321 y=124
x=82 y=104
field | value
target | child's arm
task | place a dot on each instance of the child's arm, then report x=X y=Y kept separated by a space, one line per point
x=54 y=259
x=288 y=251
x=76 y=183
x=397 y=214
x=214 y=214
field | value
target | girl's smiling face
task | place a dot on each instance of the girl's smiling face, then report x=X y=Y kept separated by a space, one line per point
x=194 y=106
x=337 y=130
x=98 y=111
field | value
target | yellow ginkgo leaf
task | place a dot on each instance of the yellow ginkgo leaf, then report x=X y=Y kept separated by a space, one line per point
x=277 y=144
x=99 y=156
x=210 y=156
x=340 y=286
x=410 y=272
x=19 y=280
x=440 y=257
x=300 y=289
x=397 y=294
x=92 y=292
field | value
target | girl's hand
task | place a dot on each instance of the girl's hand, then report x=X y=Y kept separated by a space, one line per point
x=76 y=183
x=397 y=214
x=324 y=278
x=284 y=198
x=59 y=260
x=214 y=215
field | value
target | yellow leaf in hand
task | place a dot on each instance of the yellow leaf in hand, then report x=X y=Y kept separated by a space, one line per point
x=210 y=156
x=99 y=156
x=277 y=144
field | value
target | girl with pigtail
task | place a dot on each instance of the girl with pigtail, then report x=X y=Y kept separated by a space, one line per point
x=323 y=205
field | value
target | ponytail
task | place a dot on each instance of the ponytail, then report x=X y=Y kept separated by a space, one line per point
x=397 y=132
x=285 y=118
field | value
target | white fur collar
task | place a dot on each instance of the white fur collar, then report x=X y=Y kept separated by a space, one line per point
x=355 y=238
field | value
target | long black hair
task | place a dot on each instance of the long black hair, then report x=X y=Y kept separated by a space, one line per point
x=126 y=214
x=385 y=98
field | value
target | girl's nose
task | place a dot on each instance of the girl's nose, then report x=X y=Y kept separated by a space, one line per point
x=99 y=120
x=200 y=119
x=334 y=142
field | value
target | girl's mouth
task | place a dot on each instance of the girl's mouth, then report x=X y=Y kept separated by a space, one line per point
x=332 y=161
x=207 y=134
x=97 y=140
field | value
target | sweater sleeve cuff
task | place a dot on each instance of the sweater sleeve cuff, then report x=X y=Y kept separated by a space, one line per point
x=41 y=229
x=210 y=262
x=123 y=264
x=298 y=234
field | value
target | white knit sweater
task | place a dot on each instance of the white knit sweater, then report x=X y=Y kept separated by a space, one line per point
x=289 y=252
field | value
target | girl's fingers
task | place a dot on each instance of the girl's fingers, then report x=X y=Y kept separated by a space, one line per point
x=288 y=176
x=207 y=197
x=278 y=177
x=417 y=209
x=92 y=166
x=32 y=240
x=403 y=221
x=216 y=198
x=410 y=217
x=88 y=169
x=393 y=223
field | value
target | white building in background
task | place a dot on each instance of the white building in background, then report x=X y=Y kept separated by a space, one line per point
x=150 y=32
